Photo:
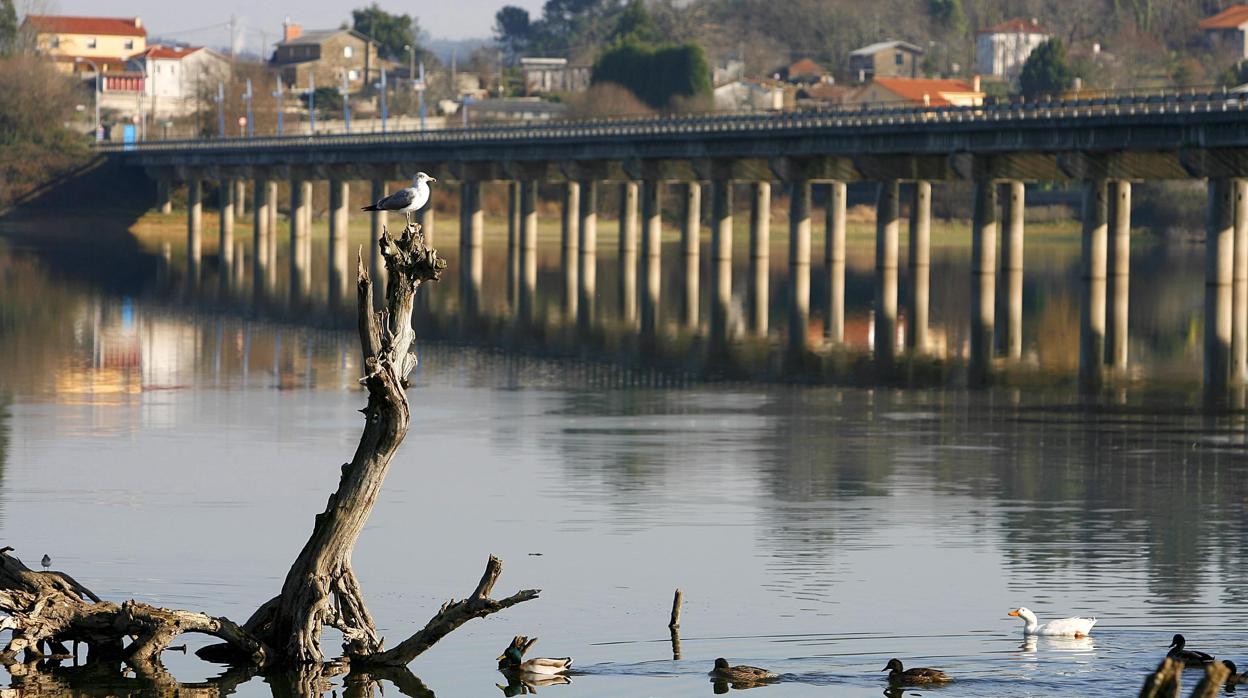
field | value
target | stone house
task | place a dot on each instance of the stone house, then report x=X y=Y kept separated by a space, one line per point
x=542 y=75
x=1228 y=28
x=885 y=59
x=326 y=56
x=1002 y=49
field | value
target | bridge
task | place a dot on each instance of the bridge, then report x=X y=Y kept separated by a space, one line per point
x=1106 y=144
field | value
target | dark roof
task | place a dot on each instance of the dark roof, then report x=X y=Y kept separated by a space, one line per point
x=320 y=36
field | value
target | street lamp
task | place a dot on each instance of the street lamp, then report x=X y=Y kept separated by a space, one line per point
x=385 y=110
x=99 y=130
x=345 y=91
x=278 y=94
x=220 y=100
x=247 y=98
x=312 y=101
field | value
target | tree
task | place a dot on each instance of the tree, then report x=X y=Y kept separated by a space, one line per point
x=634 y=23
x=513 y=29
x=391 y=32
x=8 y=28
x=1046 y=70
x=655 y=75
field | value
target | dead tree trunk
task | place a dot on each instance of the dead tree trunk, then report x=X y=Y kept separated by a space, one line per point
x=47 y=609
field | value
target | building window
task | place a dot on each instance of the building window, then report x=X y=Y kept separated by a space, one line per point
x=129 y=44
x=900 y=58
x=91 y=42
x=54 y=42
x=353 y=75
x=348 y=51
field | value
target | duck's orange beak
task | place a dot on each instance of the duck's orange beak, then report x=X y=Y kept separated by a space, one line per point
x=1012 y=613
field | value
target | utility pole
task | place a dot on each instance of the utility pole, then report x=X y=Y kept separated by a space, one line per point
x=312 y=100
x=220 y=100
x=345 y=91
x=233 y=36
x=385 y=111
x=247 y=96
x=281 y=106
x=420 y=93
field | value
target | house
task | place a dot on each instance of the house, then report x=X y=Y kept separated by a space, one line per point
x=553 y=75
x=1228 y=28
x=326 y=56
x=106 y=41
x=885 y=59
x=513 y=109
x=748 y=95
x=1002 y=49
x=920 y=92
x=805 y=72
x=825 y=95
x=176 y=75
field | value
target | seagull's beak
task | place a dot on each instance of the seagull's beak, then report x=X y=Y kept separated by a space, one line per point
x=431 y=179
x=1012 y=613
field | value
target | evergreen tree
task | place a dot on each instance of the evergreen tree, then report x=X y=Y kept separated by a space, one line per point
x=655 y=75
x=391 y=32
x=1046 y=70
x=8 y=28
x=513 y=30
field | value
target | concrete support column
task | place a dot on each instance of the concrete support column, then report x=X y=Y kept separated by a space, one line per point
x=164 y=195
x=1092 y=304
x=471 y=247
x=1012 y=268
x=983 y=281
x=514 y=226
x=260 y=236
x=651 y=253
x=377 y=265
x=194 y=227
x=570 y=243
x=629 y=197
x=887 y=226
x=799 y=263
x=834 y=258
x=587 y=265
x=240 y=199
x=760 y=258
x=425 y=217
x=919 y=258
x=339 y=217
x=1219 y=275
x=225 y=241
x=721 y=259
x=307 y=238
x=528 y=249
x=1239 y=304
x=690 y=247
x=298 y=236
x=1119 y=272
x=271 y=196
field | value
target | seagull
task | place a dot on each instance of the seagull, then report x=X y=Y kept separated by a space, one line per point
x=406 y=201
x=47 y=561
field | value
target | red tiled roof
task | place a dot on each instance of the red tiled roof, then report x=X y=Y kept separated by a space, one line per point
x=169 y=52
x=1232 y=17
x=914 y=89
x=106 y=64
x=1015 y=26
x=103 y=26
x=805 y=67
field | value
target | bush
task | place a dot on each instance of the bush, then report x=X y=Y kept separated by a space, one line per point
x=655 y=75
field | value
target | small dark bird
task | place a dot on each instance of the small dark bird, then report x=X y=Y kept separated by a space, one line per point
x=740 y=673
x=1235 y=678
x=898 y=674
x=46 y=561
x=1188 y=657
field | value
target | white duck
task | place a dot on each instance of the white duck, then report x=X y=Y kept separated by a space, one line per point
x=1063 y=627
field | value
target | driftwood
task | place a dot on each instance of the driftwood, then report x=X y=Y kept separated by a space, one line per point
x=1167 y=680
x=47 y=609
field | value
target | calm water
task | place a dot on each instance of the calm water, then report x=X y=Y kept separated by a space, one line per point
x=173 y=446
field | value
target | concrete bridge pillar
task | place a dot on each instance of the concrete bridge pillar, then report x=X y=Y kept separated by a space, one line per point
x=1012 y=268
x=271 y=196
x=339 y=217
x=799 y=263
x=164 y=195
x=983 y=281
x=260 y=236
x=1239 y=304
x=376 y=265
x=651 y=252
x=425 y=217
x=298 y=237
x=225 y=242
x=240 y=198
x=760 y=257
x=690 y=247
x=194 y=227
x=1092 y=304
x=834 y=258
x=629 y=196
x=570 y=243
x=1119 y=272
x=721 y=258
x=887 y=226
x=1219 y=277
x=514 y=225
x=919 y=248
x=587 y=271
x=528 y=249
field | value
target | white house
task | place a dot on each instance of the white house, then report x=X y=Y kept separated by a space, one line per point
x=1001 y=50
x=553 y=75
x=1228 y=28
x=176 y=74
x=747 y=95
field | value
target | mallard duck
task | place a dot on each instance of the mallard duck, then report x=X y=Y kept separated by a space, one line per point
x=1235 y=678
x=1188 y=657
x=899 y=674
x=524 y=684
x=742 y=673
x=512 y=659
x=1068 y=627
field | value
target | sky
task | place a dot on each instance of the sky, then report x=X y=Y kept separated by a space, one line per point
x=440 y=19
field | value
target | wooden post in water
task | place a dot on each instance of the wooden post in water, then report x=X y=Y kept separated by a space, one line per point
x=760 y=257
x=834 y=258
x=674 y=625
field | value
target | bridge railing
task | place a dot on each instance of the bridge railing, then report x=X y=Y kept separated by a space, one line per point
x=706 y=124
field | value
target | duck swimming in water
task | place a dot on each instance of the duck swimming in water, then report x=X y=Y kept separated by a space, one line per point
x=1235 y=678
x=1188 y=657
x=1062 y=627
x=512 y=659
x=897 y=674
x=742 y=673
